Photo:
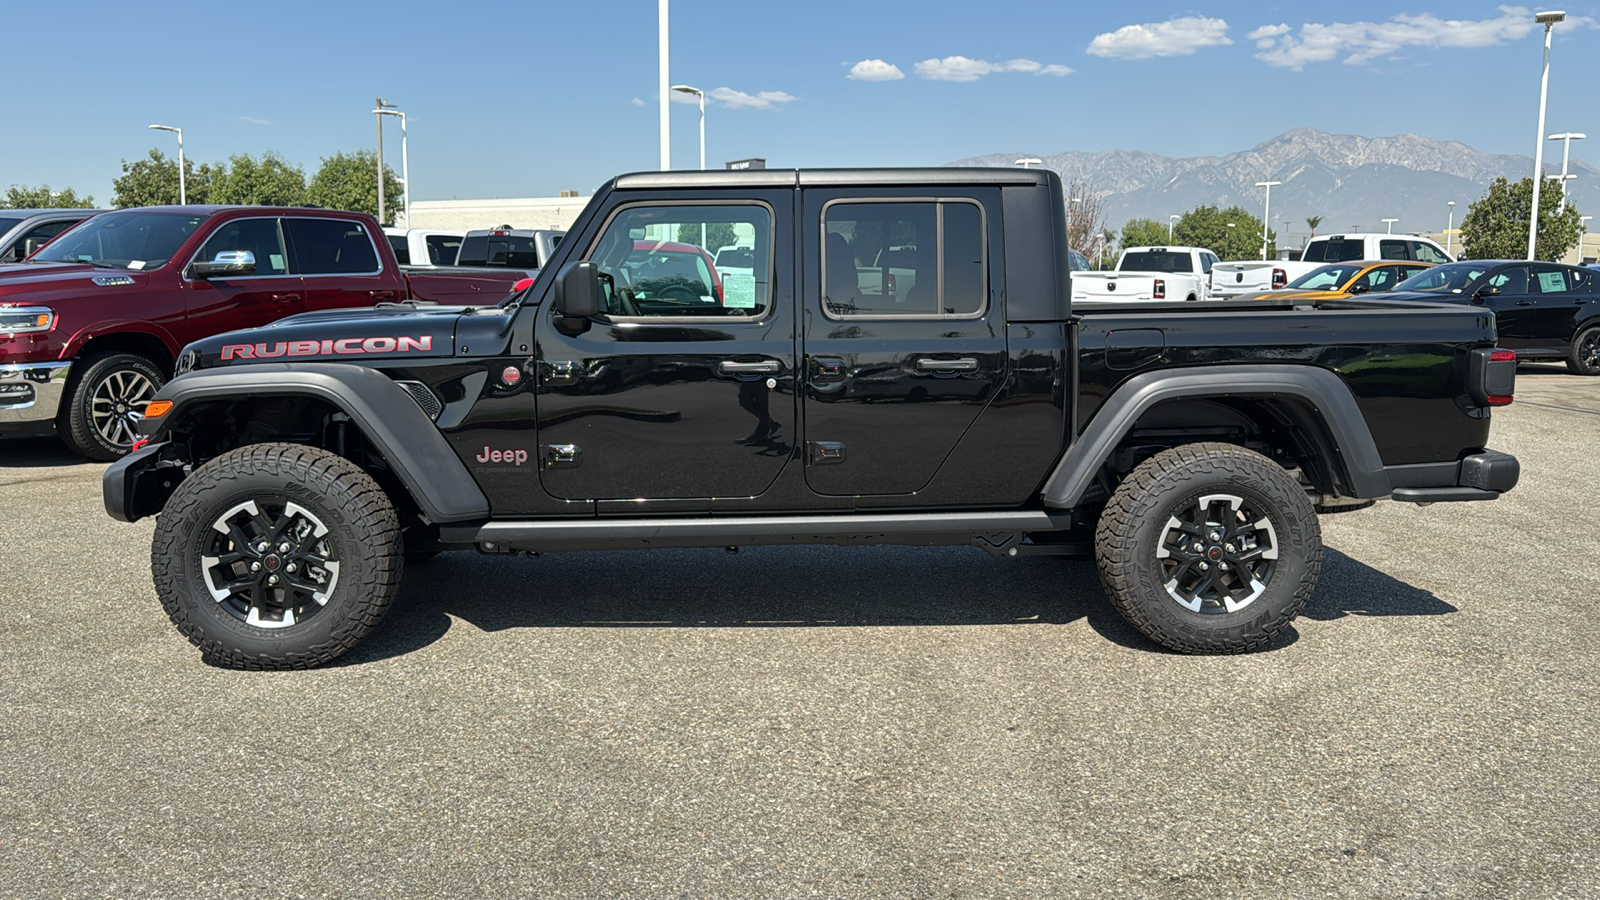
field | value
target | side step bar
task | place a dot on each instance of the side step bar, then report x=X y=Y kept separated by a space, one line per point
x=997 y=532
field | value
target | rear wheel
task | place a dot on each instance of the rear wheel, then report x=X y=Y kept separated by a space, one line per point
x=1209 y=548
x=101 y=415
x=1585 y=356
x=276 y=556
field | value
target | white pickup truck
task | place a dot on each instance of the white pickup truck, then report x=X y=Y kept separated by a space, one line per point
x=1148 y=273
x=424 y=247
x=1231 y=279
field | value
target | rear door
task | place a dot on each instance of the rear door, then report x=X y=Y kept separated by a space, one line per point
x=1559 y=293
x=895 y=375
x=339 y=263
x=1514 y=306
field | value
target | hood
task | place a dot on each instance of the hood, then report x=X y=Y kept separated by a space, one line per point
x=335 y=335
x=46 y=282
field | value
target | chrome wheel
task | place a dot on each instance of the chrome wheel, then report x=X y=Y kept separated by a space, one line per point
x=1217 y=554
x=117 y=405
x=269 y=565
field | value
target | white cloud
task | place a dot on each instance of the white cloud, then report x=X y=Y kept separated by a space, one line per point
x=726 y=96
x=1362 y=42
x=1175 y=37
x=875 y=70
x=960 y=68
x=255 y=121
x=637 y=101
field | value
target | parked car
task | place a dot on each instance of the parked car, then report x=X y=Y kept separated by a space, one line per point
x=92 y=324
x=1542 y=310
x=1076 y=262
x=1230 y=279
x=1343 y=280
x=424 y=247
x=1149 y=273
x=669 y=277
x=1195 y=442
x=507 y=247
x=23 y=231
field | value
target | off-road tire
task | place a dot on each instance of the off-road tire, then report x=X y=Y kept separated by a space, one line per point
x=363 y=535
x=102 y=373
x=1585 y=356
x=1130 y=535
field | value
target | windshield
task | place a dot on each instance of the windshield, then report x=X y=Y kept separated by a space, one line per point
x=134 y=240
x=1452 y=278
x=1325 y=278
x=1155 y=261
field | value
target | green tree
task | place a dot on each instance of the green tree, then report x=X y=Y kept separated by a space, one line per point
x=42 y=197
x=1496 y=225
x=1144 y=233
x=349 y=181
x=1313 y=221
x=1231 y=233
x=153 y=181
x=268 y=182
x=718 y=235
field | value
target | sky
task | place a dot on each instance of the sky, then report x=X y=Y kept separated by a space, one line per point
x=525 y=99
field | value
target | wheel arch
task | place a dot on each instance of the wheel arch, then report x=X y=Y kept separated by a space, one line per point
x=273 y=400
x=1310 y=405
x=157 y=348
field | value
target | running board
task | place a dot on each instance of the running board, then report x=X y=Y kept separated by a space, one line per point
x=998 y=533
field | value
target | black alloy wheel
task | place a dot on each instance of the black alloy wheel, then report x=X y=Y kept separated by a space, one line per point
x=270 y=564
x=1585 y=358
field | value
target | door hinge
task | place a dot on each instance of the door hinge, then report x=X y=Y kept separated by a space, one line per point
x=563 y=455
x=825 y=453
x=563 y=371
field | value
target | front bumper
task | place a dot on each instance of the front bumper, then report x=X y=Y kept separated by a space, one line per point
x=31 y=394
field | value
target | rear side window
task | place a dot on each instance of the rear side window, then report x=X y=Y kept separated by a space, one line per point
x=1333 y=250
x=401 y=248
x=1428 y=253
x=916 y=259
x=258 y=236
x=442 y=249
x=1553 y=280
x=1392 y=250
x=330 y=247
x=1156 y=261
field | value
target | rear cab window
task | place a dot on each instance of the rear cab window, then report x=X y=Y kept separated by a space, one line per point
x=1157 y=260
x=1334 y=249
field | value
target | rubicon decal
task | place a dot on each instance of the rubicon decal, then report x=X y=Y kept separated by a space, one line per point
x=341 y=346
x=515 y=457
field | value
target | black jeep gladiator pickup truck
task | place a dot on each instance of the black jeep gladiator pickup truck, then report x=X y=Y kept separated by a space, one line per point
x=942 y=394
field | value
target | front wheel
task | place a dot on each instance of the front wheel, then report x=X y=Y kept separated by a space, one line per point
x=276 y=556
x=1209 y=548
x=1585 y=356
x=100 y=418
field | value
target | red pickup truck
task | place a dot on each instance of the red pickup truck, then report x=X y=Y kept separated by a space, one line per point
x=92 y=323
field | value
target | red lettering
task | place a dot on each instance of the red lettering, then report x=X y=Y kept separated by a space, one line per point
x=348 y=345
x=378 y=345
x=242 y=351
x=327 y=347
x=278 y=349
x=409 y=343
x=304 y=348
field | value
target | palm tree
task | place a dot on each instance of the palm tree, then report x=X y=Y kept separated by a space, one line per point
x=1313 y=221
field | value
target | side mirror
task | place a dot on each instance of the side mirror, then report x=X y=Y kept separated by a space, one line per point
x=1487 y=291
x=32 y=244
x=578 y=290
x=1360 y=289
x=228 y=262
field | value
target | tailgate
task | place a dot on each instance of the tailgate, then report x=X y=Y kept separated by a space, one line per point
x=1233 y=278
x=1119 y=286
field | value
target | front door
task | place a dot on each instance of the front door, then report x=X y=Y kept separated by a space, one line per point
x=682 y=390
x=1515 y=308
x=245 y=301
x=904 y=338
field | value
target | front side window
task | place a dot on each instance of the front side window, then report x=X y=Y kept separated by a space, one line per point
x=924 y=258
x=131 y=240
x=1510 y=280
x=657 y=261
x=1453 y=278
x=1381 y=278
x=330 y=247
x=1429 y=254
x=39 y=235
x=260 y=237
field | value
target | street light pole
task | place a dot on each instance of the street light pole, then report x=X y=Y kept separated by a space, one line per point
x=183 y=194
x=1566 y=138
x=1548 y=20
x=661 y=87
x=1170 y=221
x=405 y=163
x=378 y=117
x=1449 y=224
x=685 y=89
x=1266 y=213
x=1028 y=162
x=1389 y=223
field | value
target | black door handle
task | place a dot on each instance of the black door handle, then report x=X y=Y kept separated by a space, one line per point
x=964 y=364
x=1524 y=302
x=764 y=367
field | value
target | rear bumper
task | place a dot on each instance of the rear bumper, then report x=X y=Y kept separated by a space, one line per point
x=30 y=395
x=1481 y=476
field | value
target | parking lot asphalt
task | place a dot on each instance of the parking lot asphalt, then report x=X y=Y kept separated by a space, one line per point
x=795 y=722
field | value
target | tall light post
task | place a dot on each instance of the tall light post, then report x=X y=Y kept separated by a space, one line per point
x=1449 y=225
x=1171 y=220
x=1548 y=20
x=1266 y=213
x=1563 y=179
x=662 y=80
x=1028 y=162
x=685 y=89
x=378 y=108
x=405 y=162
x=1388 y=225
x=1566 y=138
x=183 y=195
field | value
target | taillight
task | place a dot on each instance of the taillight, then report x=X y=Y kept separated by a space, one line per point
x=1503 y=356
x=888 y=290
x=1160 y=291
x=1279 y=278
x=1492 y=376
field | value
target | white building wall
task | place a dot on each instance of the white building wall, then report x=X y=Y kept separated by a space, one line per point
x=528 y=212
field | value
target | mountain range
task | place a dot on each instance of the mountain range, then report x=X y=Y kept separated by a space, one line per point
x=1353 y=182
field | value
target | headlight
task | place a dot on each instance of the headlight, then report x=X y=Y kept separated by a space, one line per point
x=24 y=319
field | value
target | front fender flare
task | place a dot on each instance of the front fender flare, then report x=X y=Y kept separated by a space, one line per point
x=387 y=416
x=1321 y=389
